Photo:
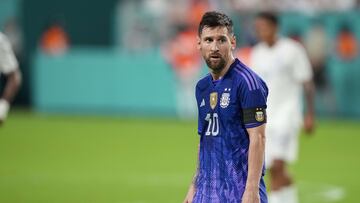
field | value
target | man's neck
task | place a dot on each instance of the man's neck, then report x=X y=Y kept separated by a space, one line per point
x=219 y=75
x=271 y=41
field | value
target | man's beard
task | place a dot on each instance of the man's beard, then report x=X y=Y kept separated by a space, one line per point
x=216 y=67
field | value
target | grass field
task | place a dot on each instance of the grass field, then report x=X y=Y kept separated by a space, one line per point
x=46 y=159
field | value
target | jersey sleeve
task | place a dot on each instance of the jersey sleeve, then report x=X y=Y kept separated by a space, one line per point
x=253 y=102
x=8 y=62
x=302 y=70
x=200 y=121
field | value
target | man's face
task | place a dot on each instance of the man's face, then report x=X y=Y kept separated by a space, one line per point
x=265 y=30
x=216 y=45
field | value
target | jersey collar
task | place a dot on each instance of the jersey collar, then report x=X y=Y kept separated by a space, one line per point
x=236 y=61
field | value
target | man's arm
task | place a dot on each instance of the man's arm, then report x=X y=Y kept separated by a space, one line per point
x=309 y=92
x=192 y=189
x=303 y=73
x=13 y=82
x=12 y=85
x=255 y=163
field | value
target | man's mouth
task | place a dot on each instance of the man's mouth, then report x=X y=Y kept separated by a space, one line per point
x=215 y=56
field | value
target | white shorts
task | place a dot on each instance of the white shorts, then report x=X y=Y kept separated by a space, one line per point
x=281 y=145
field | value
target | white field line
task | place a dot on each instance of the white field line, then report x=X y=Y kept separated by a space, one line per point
x=311 y=192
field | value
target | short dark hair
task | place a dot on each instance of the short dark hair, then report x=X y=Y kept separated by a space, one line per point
x=269 y=16
x=214 y=19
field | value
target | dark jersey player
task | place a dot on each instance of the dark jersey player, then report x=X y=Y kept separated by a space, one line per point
x=231 y=101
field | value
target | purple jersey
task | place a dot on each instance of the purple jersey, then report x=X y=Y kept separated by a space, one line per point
x=226 y=109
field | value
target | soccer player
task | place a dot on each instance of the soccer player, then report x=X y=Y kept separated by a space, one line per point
x=284 y=66
x=231 y=102
x=8 y=67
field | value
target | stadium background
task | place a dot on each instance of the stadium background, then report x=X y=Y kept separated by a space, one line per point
x=98 y=123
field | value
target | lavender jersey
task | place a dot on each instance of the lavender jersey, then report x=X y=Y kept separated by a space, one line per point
x=226 y=109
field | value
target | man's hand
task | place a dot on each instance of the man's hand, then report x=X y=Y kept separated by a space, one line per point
x=190 y=195
x=309 y=123
x=251 y=196
x=4 y=109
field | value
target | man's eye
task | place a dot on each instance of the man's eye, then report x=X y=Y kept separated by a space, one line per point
x=222 y=40
x=208 y=40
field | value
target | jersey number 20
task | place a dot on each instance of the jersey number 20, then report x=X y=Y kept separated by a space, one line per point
x=213 y=127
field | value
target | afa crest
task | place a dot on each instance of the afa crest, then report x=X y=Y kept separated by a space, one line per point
x=259 y=116
x=225 y=100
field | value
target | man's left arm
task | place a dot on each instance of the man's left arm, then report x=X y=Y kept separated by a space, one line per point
x=303 y=74
x=13 y=82
x=309 y=117
x=12 y=85
x=9 y=66
x=255 y=163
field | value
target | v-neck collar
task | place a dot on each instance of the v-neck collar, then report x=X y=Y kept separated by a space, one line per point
x=236 y=61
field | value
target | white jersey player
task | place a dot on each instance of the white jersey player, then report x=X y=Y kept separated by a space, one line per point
x=10 y=69
x=284 y=66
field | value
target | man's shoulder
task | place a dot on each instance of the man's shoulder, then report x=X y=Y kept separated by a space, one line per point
x=3 y=38
x=246 y=78
x=258 y=47
x=203 y=83
x=4 y=42
x=289 y=43
x=243 y=72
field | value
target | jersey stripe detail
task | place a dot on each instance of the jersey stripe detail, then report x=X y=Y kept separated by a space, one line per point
x=253 y=77
x=250 y=76
x=245 y=77
x=251 y=73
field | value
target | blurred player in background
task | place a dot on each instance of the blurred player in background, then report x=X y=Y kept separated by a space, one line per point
x=283 y=64
x=232 y=114
x=9 y=68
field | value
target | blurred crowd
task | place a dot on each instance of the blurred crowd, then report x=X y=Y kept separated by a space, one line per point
x=153 y=21
x=172 y=26
x=325 y=28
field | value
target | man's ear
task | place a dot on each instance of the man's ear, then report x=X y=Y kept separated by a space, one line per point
x=233 y=42
x=198 y=42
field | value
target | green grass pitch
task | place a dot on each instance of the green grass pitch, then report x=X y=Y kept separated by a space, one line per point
x=67 y=159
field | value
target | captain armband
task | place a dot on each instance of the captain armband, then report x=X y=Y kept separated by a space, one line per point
x=254 y=115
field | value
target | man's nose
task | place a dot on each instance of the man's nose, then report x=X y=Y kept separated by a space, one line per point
x=214 y=46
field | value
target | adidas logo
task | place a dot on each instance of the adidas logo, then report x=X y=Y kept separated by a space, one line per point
x=202 y=103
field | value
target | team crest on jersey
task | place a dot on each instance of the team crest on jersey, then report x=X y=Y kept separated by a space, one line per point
x=213 y=99
x=225 y=100
x=259 y=115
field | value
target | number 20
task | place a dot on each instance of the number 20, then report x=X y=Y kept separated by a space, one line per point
x=213 y=127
